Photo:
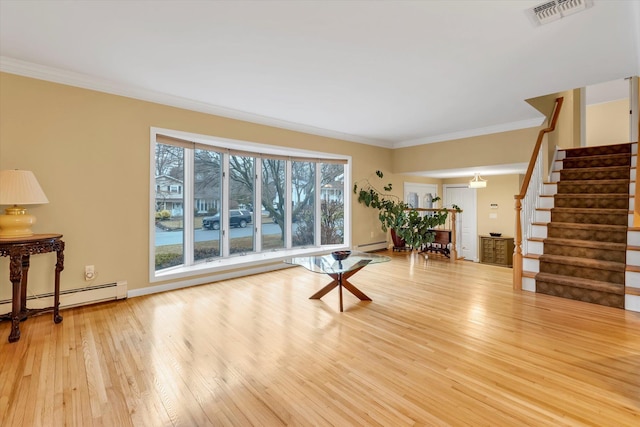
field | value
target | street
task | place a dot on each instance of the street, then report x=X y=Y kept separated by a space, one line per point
x=175 y=237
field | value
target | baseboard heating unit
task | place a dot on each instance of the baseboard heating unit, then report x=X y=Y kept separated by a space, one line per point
x=74 y=297
x=372 y=247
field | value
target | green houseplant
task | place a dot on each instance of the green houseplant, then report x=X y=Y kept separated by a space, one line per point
x=397 y=216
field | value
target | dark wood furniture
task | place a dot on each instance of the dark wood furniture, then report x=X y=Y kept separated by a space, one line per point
x=441 y=243
x=496 y=250
x=19 y=251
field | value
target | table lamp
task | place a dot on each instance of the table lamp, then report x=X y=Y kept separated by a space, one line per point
x=17 y=188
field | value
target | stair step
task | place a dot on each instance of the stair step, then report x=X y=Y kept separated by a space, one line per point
x=583 y=262
x=624 y=148
x=597 y=161
x=609 y=246
x=586 y=186
x=590 y=216
x=596 y=173
x=597 y=232
x=591 y=291
x=604 y=251
x=606 y=271
x=599 y=201
x=596 y=285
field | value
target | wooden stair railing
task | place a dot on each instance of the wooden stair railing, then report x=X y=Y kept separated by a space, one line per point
x=517 y=254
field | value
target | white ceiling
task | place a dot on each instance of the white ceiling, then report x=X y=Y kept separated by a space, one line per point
x=389 y=73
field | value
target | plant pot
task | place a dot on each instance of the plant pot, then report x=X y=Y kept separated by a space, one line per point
x=398 y=242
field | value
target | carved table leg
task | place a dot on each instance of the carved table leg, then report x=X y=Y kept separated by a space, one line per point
x=15 y=266
x=56 y=296
x=23 y=290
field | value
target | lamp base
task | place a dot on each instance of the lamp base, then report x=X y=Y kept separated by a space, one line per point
x=17 y=223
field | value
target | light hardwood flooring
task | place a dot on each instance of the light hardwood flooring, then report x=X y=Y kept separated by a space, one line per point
x=440 y=344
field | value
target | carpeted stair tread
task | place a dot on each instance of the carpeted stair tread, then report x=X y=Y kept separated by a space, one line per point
x=597 y=201
x=591 y=196
x=610 y=246
x=583 y=262
x=594 y=285
x=590 y=215
x=599 y=227
x=593 y=232
x=603 y=211
x=594 y=173
x=624 y=148
x=595 y=169
x=601 y=186
x=603 y=157
x=590 y=182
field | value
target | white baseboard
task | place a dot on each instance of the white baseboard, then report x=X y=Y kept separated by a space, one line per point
x=74 y=297
x=370 y=247
x=173 y=285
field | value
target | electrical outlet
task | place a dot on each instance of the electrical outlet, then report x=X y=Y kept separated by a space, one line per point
x=89 y=272
x=371 y=235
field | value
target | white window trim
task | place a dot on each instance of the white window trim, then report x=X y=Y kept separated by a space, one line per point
x=251 y=260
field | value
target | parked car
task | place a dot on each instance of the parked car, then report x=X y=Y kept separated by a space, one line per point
x=237 y=218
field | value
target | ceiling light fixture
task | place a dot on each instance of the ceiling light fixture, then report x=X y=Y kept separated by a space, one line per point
x=477 y=182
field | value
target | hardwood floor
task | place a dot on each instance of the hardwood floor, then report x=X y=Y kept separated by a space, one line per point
x=440 y=344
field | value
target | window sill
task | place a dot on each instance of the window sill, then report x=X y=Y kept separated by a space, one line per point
x=238 y=262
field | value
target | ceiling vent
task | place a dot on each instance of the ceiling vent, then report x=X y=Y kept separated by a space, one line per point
x=555 y=9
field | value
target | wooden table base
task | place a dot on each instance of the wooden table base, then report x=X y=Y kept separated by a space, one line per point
x=340 y=280
x=19 y=251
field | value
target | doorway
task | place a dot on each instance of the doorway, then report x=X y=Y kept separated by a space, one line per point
x=420 y=195
x=466 y=221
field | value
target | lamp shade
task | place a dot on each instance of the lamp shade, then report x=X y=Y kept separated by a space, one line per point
x=19 y=187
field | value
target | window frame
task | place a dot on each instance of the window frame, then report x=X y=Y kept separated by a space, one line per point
x=256 y=259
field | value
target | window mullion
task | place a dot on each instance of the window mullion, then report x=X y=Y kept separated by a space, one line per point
x=288 y=224
x=257 y=204
x=317 y=222
x=188 y=213
x=224 y=211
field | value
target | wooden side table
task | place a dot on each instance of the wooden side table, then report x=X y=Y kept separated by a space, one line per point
x=19 y=250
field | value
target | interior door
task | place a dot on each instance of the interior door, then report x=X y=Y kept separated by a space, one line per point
x=466 y=221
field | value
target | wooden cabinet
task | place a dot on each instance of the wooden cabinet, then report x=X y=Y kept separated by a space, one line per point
x=496 y=250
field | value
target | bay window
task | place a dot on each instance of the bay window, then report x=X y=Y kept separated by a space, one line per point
x=240 y=203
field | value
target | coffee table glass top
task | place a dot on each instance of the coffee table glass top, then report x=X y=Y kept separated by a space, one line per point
x=326 y=264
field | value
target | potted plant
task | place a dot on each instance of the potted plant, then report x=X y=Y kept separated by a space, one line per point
x=406 y=225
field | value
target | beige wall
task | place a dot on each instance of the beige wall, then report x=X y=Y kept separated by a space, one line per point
x=494 y=149
x=608 y=123
x=500 y=190
x=90 y=152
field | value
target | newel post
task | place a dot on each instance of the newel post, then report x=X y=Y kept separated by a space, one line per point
x=517 y=252
x=454 y=232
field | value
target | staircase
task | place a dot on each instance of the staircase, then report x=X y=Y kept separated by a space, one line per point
x=582 y=253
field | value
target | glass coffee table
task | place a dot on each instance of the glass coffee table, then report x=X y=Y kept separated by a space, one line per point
x=339 y=271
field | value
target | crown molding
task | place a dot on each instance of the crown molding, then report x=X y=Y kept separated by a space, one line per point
x=503 y=127
x=56 y=75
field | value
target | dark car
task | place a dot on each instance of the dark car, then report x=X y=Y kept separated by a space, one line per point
x=237 y=218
